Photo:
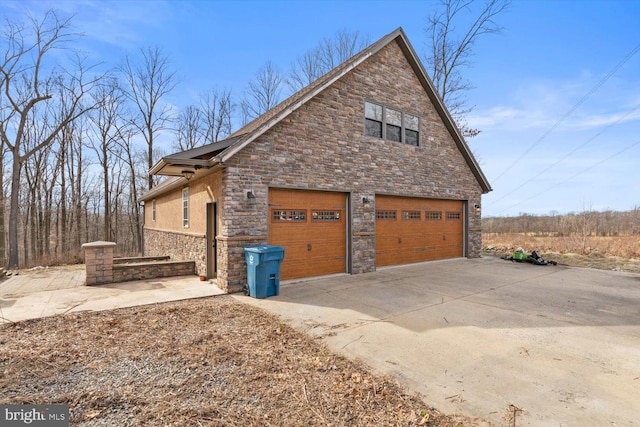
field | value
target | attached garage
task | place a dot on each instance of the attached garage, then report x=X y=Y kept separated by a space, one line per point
x=312 y=227
x=412 y=230
x=362 y=168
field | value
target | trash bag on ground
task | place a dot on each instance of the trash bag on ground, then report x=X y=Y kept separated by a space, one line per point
x=535 y=258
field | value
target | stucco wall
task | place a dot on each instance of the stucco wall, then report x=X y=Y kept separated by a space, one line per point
x=167 y=236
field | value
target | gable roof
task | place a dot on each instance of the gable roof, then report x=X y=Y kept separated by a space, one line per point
x=217 y=153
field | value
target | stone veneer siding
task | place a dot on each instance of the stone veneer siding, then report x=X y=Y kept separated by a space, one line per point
x=322 y=146
x=179 y=246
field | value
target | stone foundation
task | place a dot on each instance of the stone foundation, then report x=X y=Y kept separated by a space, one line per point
x=179 y=246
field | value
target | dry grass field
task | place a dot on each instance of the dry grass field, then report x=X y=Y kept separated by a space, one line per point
x=602 y=252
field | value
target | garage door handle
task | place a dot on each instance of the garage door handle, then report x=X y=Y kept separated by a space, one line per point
x=309 y=247
x=444 y=237
x=399 y=239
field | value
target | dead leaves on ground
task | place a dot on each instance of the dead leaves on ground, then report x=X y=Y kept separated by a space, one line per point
x=202 y=362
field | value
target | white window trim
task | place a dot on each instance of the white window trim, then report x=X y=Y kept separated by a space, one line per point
x=185 y=207
x=153 y=210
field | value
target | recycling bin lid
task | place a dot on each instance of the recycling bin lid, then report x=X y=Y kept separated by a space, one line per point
x=261 y=249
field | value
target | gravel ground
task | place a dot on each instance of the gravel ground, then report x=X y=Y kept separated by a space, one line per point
x=204 y=362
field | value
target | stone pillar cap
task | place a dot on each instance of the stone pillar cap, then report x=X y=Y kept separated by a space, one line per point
x=98 y=244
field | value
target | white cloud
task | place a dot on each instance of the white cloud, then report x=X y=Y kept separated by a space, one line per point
x=118 y=23
x=543 y=104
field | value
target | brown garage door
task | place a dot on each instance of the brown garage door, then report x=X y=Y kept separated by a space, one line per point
x=311 y=225
x=414 y=230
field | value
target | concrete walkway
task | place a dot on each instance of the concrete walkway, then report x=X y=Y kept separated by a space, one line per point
x=49 y=292
x=557 y=346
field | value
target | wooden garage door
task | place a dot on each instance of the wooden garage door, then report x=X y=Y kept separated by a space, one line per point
x=414 y=230
x=311 y=225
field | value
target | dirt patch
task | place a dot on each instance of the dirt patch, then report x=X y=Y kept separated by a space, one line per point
x=206 y=362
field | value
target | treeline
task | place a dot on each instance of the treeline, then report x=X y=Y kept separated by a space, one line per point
x=77 y=142
x=585 y=224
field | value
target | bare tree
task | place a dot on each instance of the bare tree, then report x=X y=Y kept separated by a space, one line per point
x=105 y=120
x=148 y=82
x=450 y=50
x=26 y=82
x=217 y=109
x=3 y=235
x=263 y=93
x=189 y=132
x=128 y=155
x=76 y=165
x=323 y=58
x=64 y=141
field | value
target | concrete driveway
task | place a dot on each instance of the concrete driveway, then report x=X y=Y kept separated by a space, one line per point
x=557 y=346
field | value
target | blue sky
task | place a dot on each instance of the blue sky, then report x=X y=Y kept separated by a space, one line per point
x=550 y=55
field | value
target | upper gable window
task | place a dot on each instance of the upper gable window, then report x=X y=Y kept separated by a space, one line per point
x=394 y=125
x=373 y=119
x=390 y=124
x=411 y=129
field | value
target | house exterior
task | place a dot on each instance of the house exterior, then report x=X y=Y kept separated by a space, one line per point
x=361 y=169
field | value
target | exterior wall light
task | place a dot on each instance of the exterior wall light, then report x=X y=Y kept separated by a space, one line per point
x=250 y=195
x=187 y=174
x=365 y=200
x=476 y=207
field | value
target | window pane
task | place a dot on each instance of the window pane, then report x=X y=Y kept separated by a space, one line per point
x=373 y=128
x=453 y=215
x=394 y=133
x=394 y=117
x=411 y=122
x=185 y=207
x=373 y=111
x=295 y=215
x=384 y=214
x=411 y=137
x=325 y=215
x=408 y=215
x=433 y=216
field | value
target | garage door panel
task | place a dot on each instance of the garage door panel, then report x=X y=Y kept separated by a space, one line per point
x=412 y=230
x=315 y=240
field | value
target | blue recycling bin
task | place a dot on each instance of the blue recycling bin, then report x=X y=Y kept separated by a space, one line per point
x=263 y=269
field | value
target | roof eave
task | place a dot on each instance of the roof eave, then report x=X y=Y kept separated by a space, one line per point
x=167 y=166
x=180 y=180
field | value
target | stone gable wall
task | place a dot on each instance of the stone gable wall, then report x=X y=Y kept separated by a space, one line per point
x=322 y=146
